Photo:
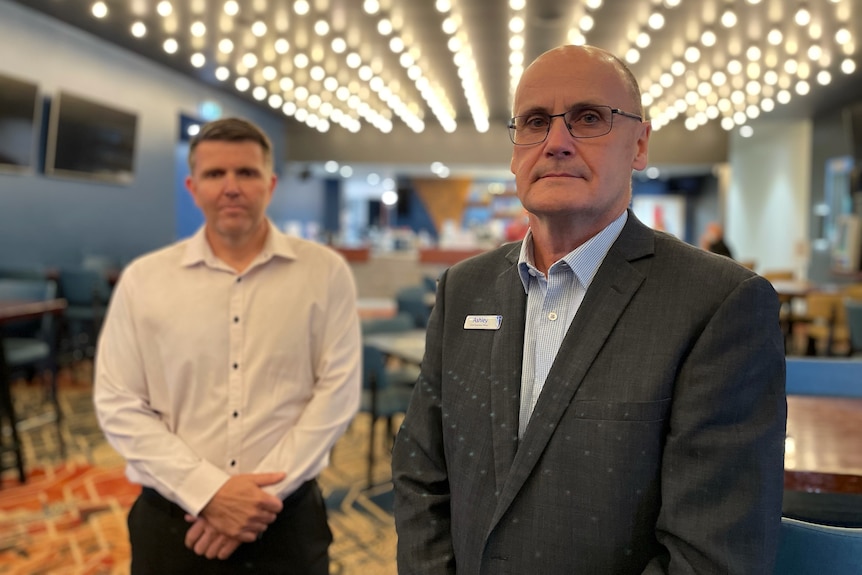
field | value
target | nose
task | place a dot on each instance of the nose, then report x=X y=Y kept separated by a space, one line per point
x=559 y=141
x=230 y=183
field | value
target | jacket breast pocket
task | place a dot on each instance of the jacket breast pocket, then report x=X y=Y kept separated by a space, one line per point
x=621 y=411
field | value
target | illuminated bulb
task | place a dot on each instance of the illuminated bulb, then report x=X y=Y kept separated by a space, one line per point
x=222 y=73
x=231 y=8
x=384 y=27
x=139 y=29
x=249 y=60
x=225 y=46
x=656 y=21
x=301 y=7
x=848 y=66
x=170 y=46
x=282 y=46
x=775 y=37
x=371 y=7
x=824 y=77
x=259 y=93
x=164 y=8
x=242 y=84
x=198 y=60
x=802 y=17
x=100 y=10
x=708 y=38
x=728 y=19
x=258 y=28
x=321 y=27
x=198 y=29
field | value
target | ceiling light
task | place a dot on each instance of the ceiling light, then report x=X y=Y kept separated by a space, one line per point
x=301 y=7
x=282 y=46
x=99 y=10
x=231 y=8
x=321 y=27
x=222 y=73
x=371 y=7
x=225 y=46
x=259 y=28
x=848 y=66
x=708 y=38
x=139 y=29
x=170 y=46
x=728 y=19
x=803 y=16
x=164 y=8
x=656 y=21
x=198 y=29
x=384 y=27
x=198 y=60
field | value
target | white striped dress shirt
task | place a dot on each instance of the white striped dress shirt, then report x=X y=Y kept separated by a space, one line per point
x=552 y=303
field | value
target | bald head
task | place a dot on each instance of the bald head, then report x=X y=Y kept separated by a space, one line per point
x=568 y=56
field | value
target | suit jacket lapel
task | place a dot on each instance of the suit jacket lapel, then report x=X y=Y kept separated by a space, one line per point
x=507 y=356
x=607 y=297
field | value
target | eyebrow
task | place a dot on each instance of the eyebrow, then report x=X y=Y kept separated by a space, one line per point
x=576 y=105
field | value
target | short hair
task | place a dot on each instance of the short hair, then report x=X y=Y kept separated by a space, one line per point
x=231 y=130
x=631 y=83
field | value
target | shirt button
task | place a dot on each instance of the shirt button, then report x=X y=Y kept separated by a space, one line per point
x=235 y=366
x=233 y=462
x=238 y=280
x=236 y=320
x=236 y=414
x=552 y=316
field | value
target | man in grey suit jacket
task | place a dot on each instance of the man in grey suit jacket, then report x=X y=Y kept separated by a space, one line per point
x=600 y=398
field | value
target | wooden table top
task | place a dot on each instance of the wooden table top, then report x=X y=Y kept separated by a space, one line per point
x=822 y=447
x=11 y=310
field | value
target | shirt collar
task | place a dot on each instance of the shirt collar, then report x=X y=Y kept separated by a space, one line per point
x=584 y=261
x=277 y=244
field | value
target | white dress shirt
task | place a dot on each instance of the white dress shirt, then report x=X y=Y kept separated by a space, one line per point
x=552 y=303
x=203 y=373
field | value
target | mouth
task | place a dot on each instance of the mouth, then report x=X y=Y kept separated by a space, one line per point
x=555 y=175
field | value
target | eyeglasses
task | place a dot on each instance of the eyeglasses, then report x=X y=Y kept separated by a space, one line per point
x=581 y=122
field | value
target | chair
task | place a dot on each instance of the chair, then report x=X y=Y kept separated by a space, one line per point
x=380 y=398
x=827 y=324
x=815 y=549
x=824 y=377
x=412 y=300
x=87 y=293
x=29 y=345
x=401 y=321
x=853 y=309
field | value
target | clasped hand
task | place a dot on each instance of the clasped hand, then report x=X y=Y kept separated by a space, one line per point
x=239 y=512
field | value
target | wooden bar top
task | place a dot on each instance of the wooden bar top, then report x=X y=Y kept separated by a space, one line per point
x=11 y=310
x=822 y=447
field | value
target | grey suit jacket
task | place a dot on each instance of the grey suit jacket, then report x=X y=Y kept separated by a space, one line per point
x=657 y=442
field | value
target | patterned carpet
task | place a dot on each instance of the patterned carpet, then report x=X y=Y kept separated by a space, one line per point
x=70 y=515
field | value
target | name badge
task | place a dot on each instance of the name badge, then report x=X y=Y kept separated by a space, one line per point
x=483 y=322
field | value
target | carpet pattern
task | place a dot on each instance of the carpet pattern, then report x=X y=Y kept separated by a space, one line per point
x=70 y=515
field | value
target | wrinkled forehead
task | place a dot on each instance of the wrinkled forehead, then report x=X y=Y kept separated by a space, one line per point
x=561 y=78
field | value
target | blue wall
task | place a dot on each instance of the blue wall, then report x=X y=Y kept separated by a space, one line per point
x=54 y=221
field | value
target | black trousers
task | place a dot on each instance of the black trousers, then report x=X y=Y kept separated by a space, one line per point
x=296 y=543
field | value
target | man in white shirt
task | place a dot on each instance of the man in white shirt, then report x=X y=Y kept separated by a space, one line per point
x=228 y=366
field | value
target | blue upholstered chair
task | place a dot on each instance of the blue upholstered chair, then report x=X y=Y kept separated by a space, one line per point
x=29 y=346
x=412 y=300
x=87 y=292
x=815 y=549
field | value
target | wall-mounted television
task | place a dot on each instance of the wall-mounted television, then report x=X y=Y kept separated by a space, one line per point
x=19 y=116
x=90 y=139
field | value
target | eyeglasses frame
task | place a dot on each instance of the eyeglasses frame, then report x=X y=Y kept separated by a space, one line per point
x=614 y=112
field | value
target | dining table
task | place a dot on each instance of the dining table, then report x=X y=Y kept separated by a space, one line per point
x=407 y=346
x=12 y=311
